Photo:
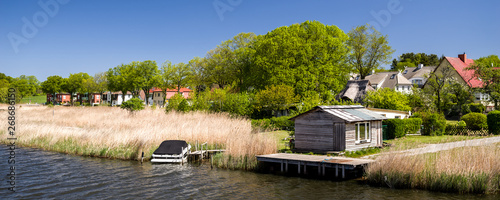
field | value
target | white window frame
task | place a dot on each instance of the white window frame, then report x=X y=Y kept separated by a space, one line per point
x=368 y=133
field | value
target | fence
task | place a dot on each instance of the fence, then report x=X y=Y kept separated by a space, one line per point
x=459 y=130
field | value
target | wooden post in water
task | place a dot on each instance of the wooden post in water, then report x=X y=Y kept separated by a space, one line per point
x=299 y=167
x=336 y=170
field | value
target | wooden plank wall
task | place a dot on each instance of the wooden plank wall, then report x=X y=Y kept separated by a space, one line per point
x=315 y=131
x=376 y=136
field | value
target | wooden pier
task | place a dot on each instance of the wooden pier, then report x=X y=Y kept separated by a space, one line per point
x=322 y=163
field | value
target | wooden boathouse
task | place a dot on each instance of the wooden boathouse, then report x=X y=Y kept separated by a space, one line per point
x=340 y=165
x=326 y=129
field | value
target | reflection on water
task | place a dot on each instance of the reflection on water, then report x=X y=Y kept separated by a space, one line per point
x=51 y=175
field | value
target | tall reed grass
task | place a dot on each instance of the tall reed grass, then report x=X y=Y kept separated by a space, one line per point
x=114 y=133
x=462 y=170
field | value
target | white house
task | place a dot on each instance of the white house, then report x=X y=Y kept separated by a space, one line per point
x=391 y=114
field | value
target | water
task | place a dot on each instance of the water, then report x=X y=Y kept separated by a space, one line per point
x=48 y=175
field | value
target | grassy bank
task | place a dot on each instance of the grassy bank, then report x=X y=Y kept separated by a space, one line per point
x=462 y=170
x=34 y=99
x=114 y=133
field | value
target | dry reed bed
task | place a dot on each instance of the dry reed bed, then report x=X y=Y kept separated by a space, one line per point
x=462 y=170
x=114 y=133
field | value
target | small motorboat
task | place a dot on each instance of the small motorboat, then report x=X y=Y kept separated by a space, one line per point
x=171 y=151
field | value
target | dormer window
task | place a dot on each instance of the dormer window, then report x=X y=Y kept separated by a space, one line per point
x=405 y=72
x=394 y=75
x=357 y=77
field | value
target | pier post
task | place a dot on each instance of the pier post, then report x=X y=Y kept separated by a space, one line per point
x=323 y=169
x=343 y=171
x=299 y=167
x=336 y=170
x=305 y=167
x=282 y=166
x=319 y=169
x=286 y=166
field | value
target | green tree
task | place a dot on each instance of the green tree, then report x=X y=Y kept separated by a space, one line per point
x=176 y=103
x=369 y=49
x=23 y=88
x=74 y=83
x=437 y=86
x=307 y=57
x=412 y=60
x=238 y=103
x=133 y=105
x=119 y=79
x=275 y=98
x=486 y=69
x=52 y=86
x=387 y=98
x=199 y=74
x=165 y=81
x=180 y=75
x=148 y=76
x=100 y=82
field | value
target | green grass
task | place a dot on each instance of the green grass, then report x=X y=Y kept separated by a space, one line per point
x=416 y=141
x=363 y=152
x=34 y=99
x=279 y=136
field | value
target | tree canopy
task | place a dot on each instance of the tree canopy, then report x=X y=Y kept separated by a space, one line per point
x=413 y=59
x=487 y=70
x=307 y=57
x=369 y=49
x=387 y=98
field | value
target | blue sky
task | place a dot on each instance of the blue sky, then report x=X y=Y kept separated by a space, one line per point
x=94 y=35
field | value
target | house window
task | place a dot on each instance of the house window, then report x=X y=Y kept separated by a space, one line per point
x=64 y=97
x=397 y=117
x=97 y=97
x=363 y=133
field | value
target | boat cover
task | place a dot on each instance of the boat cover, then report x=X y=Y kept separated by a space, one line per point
x=171 y=147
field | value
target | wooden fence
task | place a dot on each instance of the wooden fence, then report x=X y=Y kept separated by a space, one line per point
x=458 y=130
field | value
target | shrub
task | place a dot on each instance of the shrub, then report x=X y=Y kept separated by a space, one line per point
x=477 y=107
x=183 y=106
x=493 y=121
x=274 y=123
x=238 y=104
x=462 y=124
x=475 y=121
x=397 y=128
x=133 y=105
x=434 y=123
x=174 y=102
x=76 y=103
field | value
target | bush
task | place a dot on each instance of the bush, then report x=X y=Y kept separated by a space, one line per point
x=477 y=107
x=274 y=123
x=183 y=106
x=238 y=104
x=475 y=121
x=76 y=103
x=434 y=123
x=174 y=103
x=397 y=128
x=133 y=105
x=493 y=121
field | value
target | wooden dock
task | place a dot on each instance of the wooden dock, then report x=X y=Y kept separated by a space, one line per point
x=320 y=162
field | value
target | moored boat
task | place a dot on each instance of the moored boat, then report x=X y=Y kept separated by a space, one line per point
x=171 y=151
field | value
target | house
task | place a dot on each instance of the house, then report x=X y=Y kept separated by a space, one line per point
x=157 y=97
x=391 y=114
x=60 y=98
x=464 y=76
x=418 y=75
x=92 y=98
x=355 y=91
x=115 y=98
x=393 y=80
x=337 y=128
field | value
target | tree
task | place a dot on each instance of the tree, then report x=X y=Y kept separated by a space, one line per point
x=387 y=98
x=166 y=78
x=437 y=86
x=412 y=60
x=148 y=76
x=369 y=49
x=52 y=86
x=23 y=88
x=199 y=74
x=180 y=74
x=100 y=82
x=74 y=83
x=275 y=98
x=307 y=57
x=132 y=105
x=487 y=70
x=118 y=79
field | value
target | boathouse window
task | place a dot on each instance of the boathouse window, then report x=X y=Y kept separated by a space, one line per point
x=363 y=134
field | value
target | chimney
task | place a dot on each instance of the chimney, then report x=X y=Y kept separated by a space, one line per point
x=462 y=57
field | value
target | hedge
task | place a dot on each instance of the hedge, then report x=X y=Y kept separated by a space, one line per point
x=397 y=128
x=475 y=121
x=274 y=123
x=493 y=121
x=434 y=123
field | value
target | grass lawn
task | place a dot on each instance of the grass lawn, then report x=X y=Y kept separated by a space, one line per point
x=416 y=141
x=279 y=136
x=34 y=99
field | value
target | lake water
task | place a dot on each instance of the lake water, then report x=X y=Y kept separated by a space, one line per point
x=48 y=175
